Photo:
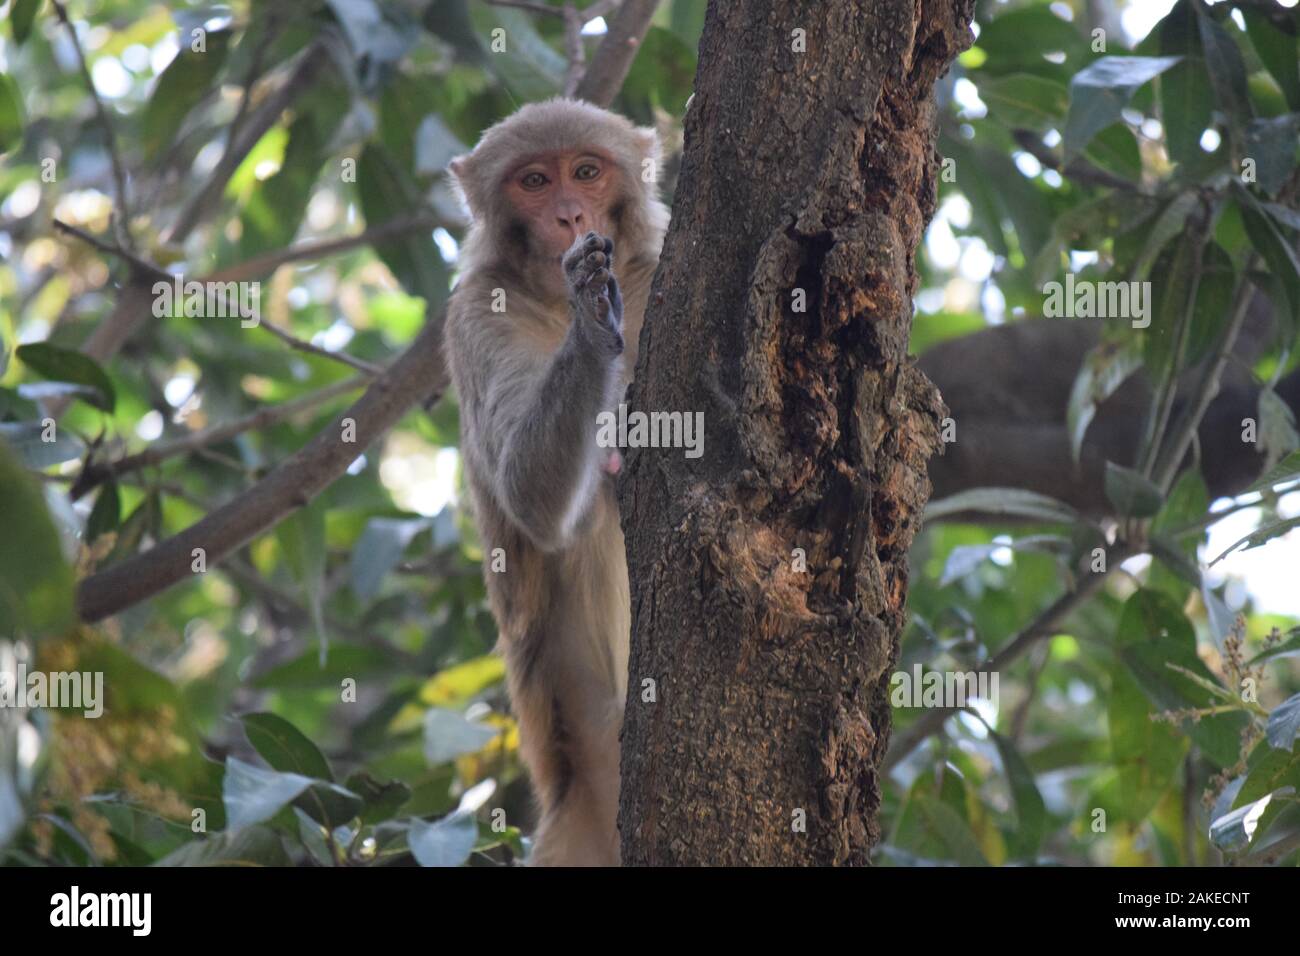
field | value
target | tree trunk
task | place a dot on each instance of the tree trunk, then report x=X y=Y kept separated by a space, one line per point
x=769 y=576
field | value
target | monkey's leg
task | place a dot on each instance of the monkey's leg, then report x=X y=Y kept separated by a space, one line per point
x=569 y=720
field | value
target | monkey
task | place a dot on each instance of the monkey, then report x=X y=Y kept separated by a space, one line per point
x=566 y=227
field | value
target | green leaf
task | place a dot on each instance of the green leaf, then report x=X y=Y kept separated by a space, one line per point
x=36 y=584
x=445 y=842
x=28 y=441
x=12 y=114
x=251 y=846
x=1017 y=40
x=1104 y=370
x=329 y=804
x=22 y=13
x=378 y=550
x=1260 y=536
x=457 y=685
x=302 y=539
x=1186 y=96
x=952 y=831
x=1284 y=472
x=1023 y=100
x=275 y=209
x=1234 y=830
x=380 y=801
x=1099 y=93
x=69 y=365
x=1287 y=648
x=1157 y=644
x=528 y=66
x=179 y=90
x=1227 y=69
x=1116 y=149
x=1132 y=494
x=284 y=746
x=686 y=19
x=1273 y=246
x=106 y=515
x=448 y=735
x=965 y=558
x=306 y=671
x=1171 y=222
x=1284 y=724
x=1002 y=501
x=1274 y=39
x=1031 y=813
x=662 y=75
x=387 y=193
x=1277 y=428
x=1146 y=754
x=253 y=795
x=1271 y=143
x=376 y=42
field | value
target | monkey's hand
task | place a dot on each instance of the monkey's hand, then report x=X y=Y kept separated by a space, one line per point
x=593 y=292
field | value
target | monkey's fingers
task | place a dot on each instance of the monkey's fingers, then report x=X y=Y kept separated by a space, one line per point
x=616 y=298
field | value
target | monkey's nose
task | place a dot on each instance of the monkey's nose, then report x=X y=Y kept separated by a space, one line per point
x=574 y=223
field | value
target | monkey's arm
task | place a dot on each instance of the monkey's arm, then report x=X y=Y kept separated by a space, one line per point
x=537 y=418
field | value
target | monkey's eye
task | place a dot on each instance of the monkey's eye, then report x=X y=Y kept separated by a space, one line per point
x=586 y=172
x=533 y=180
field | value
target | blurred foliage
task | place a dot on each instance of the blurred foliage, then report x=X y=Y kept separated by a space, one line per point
x=328 y=696
x=1154 y=725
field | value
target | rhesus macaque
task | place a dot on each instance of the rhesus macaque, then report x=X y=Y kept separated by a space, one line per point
x=541 y=337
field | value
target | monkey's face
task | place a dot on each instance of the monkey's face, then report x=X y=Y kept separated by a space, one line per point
x=561 y=196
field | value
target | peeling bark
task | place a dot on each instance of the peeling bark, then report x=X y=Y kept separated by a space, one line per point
x=808 y=171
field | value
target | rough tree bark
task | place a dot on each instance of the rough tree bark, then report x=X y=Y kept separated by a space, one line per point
x=810 y=171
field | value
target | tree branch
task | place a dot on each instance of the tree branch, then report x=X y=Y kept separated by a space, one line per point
x=1042 y=626
x=573 y=47
x=530 y=7
x=613 y=58
x=291 y=485
x=95 y=473
x=141 y=267
x=361 y=365
x=243 y=141
x=1171 y=457
x=1080 y=170
x=268 y=262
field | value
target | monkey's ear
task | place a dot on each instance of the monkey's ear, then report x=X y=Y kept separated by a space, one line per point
x=648 y=141
x=459 y=168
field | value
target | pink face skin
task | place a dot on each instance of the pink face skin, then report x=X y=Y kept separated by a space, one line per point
x=562 y=196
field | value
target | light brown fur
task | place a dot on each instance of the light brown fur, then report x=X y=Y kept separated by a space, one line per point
x=529 y=388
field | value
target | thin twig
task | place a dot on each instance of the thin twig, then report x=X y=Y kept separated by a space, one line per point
x=122 y=210
x=1079 y=170
x=361 y=365
x=239 y=145
x=1044 y=625
x=262 y=265
x=96 y=473
x=254 y=73
x=1171 y=457
x=143 y=268
x=525 y=5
